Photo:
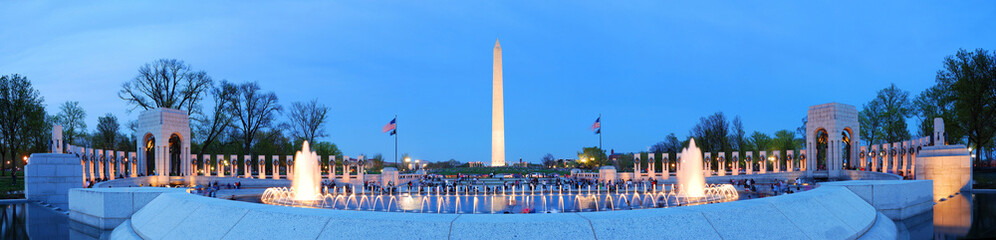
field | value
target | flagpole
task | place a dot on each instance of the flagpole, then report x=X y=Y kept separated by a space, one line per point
x=600 y=132
x=396 y=141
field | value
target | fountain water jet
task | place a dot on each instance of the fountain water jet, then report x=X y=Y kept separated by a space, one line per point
x=307 y=179
x=690 y=176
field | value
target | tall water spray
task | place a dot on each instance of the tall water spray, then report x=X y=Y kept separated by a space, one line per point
x=307 y=178
x=690 y=176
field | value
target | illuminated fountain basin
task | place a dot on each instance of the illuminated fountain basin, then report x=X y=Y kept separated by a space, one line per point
x=433 y=200
x=691 y=190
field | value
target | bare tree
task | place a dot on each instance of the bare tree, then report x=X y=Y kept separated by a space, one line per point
x=308 y=120
x=71 y=116
x=254 y=110
x=166 y=83
x=212 y=125
x=738 y=137
x=549 y=160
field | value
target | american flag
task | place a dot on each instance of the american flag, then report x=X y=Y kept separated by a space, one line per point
x=391 y=126
x=597 y=127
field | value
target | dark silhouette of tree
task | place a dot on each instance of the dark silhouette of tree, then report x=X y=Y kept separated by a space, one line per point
x=166 y=83
x=212 y=125
x=253 y=111
x=72 y=118
x=308 y=119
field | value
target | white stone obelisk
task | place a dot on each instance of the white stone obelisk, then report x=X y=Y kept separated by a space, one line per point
x=497 y=112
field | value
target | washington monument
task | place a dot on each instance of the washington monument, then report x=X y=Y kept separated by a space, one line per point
x=497 y=112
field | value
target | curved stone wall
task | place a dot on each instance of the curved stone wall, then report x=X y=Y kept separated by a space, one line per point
x=827 y=212
x=201 y=180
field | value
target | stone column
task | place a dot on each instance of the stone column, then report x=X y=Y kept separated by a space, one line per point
x=261 y=166
x=803 y=160
x=275 y=161
x=894 y=157
x=197 y=168
x=205 y=163
x=233 y=161
x=915 y=153
x=345 y=169
x=884 y=152
x=736 y=163
x=247 y=166
x=121 y=164
x=763 y=157
x=134 y=164
x=290 y=166
x=790 y=160
x=636 y=167
x=219 y=166
x=102 y=162
x=721 y=156
x=871 y=156
x=863 y=156
x=777 y=164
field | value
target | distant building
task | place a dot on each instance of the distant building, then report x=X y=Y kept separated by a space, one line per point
x=475 y=164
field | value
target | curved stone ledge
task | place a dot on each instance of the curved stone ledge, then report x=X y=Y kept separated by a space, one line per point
x=202 y=180
x=828 y=212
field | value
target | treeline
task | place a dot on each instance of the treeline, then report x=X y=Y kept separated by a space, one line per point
x=225 y=117
x=964 y=95
x=24 y=126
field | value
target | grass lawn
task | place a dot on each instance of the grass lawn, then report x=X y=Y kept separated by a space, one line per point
x=984 y=180
x=6 y=187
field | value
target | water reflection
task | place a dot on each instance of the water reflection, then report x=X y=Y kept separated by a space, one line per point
x=32 y=221
x=971 y=216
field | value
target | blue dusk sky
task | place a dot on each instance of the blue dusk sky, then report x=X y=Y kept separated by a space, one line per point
x=650 y=68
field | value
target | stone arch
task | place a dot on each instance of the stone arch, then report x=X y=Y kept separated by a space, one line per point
x=847 y=148
x=822 y=148
x=175 y=149
x=147 y=152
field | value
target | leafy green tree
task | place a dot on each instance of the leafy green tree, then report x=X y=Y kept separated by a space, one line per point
x=871 y=123
x=592 y=158
x=671 y=144
x=624 y=162
x=968 y=80
x=883 y=119
x=106 y=136
x=785 y=140
x=22 y=119
x=72 y=118
x=935 y=102
x=711 y=133
x=326 y=148
x=896 y=108
x=759 y=141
